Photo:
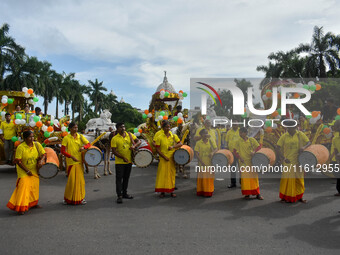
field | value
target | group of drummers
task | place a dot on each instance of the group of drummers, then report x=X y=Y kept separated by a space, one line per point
x=30 y=156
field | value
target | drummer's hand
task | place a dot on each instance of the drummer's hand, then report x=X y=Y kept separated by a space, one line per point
x=29 y=173
x=39 y=165
x=81 y=149
x=252 y=153
x=132 y=148
x=301 y=149
x=170 y=148
x=74 y=159
x=126 y=160
x=166 y=158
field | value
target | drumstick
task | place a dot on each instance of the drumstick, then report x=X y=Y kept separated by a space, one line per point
x=185 y=135
x=97 y=139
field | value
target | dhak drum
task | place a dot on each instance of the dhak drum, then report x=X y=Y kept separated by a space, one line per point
x=222 y=158
x=143 y=157
x=313 y=155
x=51 y=167
x=263 y=157
x=93 y=156
x=183 y=155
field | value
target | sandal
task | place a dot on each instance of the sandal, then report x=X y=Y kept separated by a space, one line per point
x=303 y=201
x=259 y=197
x=162 y=195
x=247 y=197
x=83 y=202
x=173 y=195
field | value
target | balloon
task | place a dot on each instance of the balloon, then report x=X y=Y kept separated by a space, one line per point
x=17 y=121
x=47 y=134
x=165 y=117
x=51 y=123
x=268 y=129
x=299 y=85
x=180 y=94
x=36 y=118
x=14 y=139
x=4 y=96
x=180 y=115
x=43 y=145
x=160 y=117
x=313 y=121
x=149 y=114
x=175 y=118
x=244 y=115
x=30 y=91
x=337 y=117
x=38 y=124
x=32 y=123
x=31 y=101
x=43 y=128
x=146 y=112
x=137 y=134
x=317 y=87
x=296 y=95
x=185 y=94
x=35 y=99
x=166 y=94
x=308 y=116
x=328 y=136
x=305 y=86
x=18 y=116
x=140 y=130
x=50 y=129
x=337 y=111
x=180 y=120
x=135 y=130
x=268 y=123
x=10 y=100
x=275 y=113
x=64 y=134
x=269 y=94
x=4 y=100
x=315 y=114
x=24 y=89
x=17 y=143
x=161 y=96
x=312 y=87
x=181 y=91
x=63 y=129
x=27 y=95
x=162 y=113
x=326 y=130
x=23 y=122
x=274 y=126
x=3 y=114
x=144 y=116
x=162 y=92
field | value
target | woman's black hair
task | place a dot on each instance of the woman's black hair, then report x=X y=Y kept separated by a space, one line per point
x=71 y=125
x=26 y=134
x=243 y=130
x=164 y=123
x=203 y=131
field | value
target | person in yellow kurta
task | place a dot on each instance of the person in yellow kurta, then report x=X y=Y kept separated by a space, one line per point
x=335 y=152
x=230 y=140
x=28 y=158
x=166 y=143
x=72 y=146
x=290 y=144
x=122 y=146
x=244 y=150
x=204 y=149
x=8 y=131
x=212 y=132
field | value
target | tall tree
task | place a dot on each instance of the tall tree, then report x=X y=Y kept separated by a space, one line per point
x=95 y=93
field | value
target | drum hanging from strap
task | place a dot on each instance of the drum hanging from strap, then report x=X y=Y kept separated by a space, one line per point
x=314 y=155
x=264 y=157
x=143 y=157
x=51 y=167
x=93 y=156
x=183 y=155
x=222 y=158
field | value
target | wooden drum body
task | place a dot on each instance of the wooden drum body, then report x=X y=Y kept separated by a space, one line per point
x=264 y=157
x=314 y=155
x=183 y=155
x=51 y=167
x=143 y=157
x=222 y=158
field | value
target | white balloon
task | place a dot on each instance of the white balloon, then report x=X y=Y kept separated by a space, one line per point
x=17 y=121
x=24 y=89
x=137 y=134
x=299 y=85
x=264 y=98
x=27 y=95
x=23 y=122
x=4 y=100
x=63 y=129
x=32 y=123
x=149 y=115
x=19 y=138
x=162 y=92
x=160 y=117
x=180 y=94
x=44 y=128
x=52 y=118
x=311 y=83
x=313 y=121
x=329 y=135
x=318 y=117
x=4 y=96
x=30 y=101
x=274 y=126
x=3 y=114
x=278 y=117
x=161 y=96
x=180 y=115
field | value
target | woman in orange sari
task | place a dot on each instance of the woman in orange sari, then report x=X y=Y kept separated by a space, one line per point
x=28 y=158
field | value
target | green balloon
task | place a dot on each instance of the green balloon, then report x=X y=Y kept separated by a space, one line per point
x=162 y=113
x=324 y=126
x=135 y=130
x=18 y=116
x=337 y=117
x=47 y=134
x=268 y=123
x=244 y=115
x=43 y=145
x=312 y=87
x=279 y=111
x=51 y=123
x=35 y=99
x=184 y=94
x=175 y=118
x=305 y=86
x=14 y=139
x=268 y=90
x=166 y=94
x=10 y=100
x=144 y=116
x=36 y=118
x=67 y=129
x=308 y=116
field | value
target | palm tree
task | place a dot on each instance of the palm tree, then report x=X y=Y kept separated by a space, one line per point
x=322 y=53
x=95 y=93
x=10 y=52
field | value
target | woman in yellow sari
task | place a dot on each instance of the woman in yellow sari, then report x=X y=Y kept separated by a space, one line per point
x=204 y=149
x=166 y=143
x=72 y=146
x=28 y=158
x=245 y=148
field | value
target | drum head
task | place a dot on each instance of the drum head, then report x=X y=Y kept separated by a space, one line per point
x=93 y=157
x=219 y=159
x=259 y=160
x=48 y=171
x=181 y=157
x=307 y=158
x=143 y=158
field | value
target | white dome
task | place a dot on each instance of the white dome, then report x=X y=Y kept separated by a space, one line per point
x=166 y=85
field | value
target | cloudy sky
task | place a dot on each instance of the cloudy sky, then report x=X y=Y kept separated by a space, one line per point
x=128 y=44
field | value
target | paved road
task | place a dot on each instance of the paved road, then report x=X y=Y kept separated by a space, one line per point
x=223 y=224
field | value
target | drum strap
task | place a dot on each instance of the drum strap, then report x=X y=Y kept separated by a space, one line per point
x=39 y=154
x=133 y=153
